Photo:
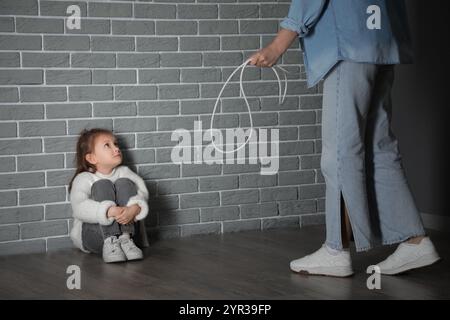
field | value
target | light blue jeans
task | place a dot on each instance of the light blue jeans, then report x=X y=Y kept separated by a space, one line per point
x=361 y=159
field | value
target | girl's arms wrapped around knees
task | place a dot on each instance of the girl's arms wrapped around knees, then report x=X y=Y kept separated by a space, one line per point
x=86 y=209
x=141 y=199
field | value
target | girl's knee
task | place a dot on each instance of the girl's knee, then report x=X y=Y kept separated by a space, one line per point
x=102 y=190
x=125 y=185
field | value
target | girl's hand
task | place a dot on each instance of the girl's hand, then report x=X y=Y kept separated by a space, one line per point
x=128 y=214
x=266 y=57
x=114 y=211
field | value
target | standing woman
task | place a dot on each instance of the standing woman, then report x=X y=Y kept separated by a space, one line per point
x=354 y=46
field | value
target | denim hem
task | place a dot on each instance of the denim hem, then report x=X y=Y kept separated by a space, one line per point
x=402 y=239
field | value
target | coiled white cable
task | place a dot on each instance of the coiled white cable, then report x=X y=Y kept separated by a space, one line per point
x=241 y=90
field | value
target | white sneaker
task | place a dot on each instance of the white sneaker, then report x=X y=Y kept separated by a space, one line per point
x=409 y=256
x=131 y=251
x=325 y=262
x=112 y=252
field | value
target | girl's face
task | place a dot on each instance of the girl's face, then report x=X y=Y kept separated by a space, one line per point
x=106 y=154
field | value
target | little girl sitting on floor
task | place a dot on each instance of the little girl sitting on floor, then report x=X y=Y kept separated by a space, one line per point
x=109 y=201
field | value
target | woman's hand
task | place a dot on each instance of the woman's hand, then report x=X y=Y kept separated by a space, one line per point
x=128 y=214
x=266 y=57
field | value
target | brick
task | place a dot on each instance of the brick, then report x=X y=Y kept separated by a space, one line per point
x=296 y=148
x=135 y=92
x=76 y=126
x=159 y=76
x=20 y=42
x=269 y=104
x=90 y=93
x=284 y=222
x=297 y=118
x=259 y=119
x=177 y=186
x=278 y=193
x=134 y=125
x=173 y=123
x=43 y=229
x=240 y=168
x=68 y=110
x=155 y=140
x=267 y=209
x=218 y=27
x=139 y=156
x=312 y=219
x=288 y=133
x=222 y=58
x=68 y=77
x=221 y=121
x=238 y=105
x=238 y=11
x=21 y=214
x=9 y=59
x=218 y=183
x=311 y=102
x=93 y=60
x=114 y=76
x=137 y=60
x=241 y=225
x=8 y=130
x=43 y=94
x=109 y=9
x=155 y=11
x=21 y=77
x=191 y=170
x=59 y=177
x=6 y=24
x=58 y=211
x=8 y=198
x=196 y=200
x=59 y=243
x=288 y=163
x=176 y=27
x=42 y=128
x=34 y=196
x=99 y=43
x=159 y=171
x=194 y=11
x=65 y=144
x=181 y=59
x=177 y=217
x=239 y=197
x=7 y=164
x=297 y=207
x=114 y=109
x=133 y=27
x=21 y=112
x=9 y=94
x=156 y=44
x=91 y=26
x=40 y=162
x=240 y=42
x=311 y=191
x=164 y=202
x=9 y=233
x=199 y=43
x=202 y=228
x=39 y=25
x=219 y=213
x=19 y=7
x=22 y=180
x=310 y=162
x=58 y=8
x=201 y=75
x=274 y=10
x=20 y=146
x=73 y=43
x=258 y=26
x=23 y=247
x=197 y=106
x=296 y=177
x=181 y=91
x=45 y=59
x=257 y=180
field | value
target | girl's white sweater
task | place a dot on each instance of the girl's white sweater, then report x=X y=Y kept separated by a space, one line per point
x=87 y=210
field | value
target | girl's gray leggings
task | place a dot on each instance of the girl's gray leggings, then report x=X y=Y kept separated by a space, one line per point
x=94 y=234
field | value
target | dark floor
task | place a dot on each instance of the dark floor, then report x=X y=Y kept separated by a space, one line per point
x=247 y=265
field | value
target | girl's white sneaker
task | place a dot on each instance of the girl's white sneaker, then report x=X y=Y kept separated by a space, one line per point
x=409 y=256
x=325 y=261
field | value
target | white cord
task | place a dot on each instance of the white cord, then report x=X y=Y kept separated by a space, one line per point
x=241 y=90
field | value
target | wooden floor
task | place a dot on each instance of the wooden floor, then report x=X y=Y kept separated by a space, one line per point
x=247 y=265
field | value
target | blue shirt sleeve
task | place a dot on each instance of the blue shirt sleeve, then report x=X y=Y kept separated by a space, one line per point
x=302 y=15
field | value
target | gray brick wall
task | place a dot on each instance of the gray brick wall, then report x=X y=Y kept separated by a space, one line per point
x=144 y=69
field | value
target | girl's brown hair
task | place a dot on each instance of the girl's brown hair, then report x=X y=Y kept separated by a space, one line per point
x=85 y=145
